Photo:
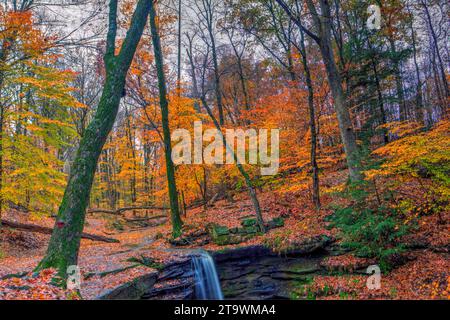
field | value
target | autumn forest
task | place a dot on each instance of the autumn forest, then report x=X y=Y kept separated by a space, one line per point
x=236 y=149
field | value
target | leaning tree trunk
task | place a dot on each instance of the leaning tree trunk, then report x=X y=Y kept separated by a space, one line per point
x=177 y=223
x=64 y=243
x=248 y=181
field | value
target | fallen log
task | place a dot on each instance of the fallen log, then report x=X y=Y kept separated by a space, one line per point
x=146 y=218
x=46 y=230
x=122 y=210
x=195 y=205
x=213 y=200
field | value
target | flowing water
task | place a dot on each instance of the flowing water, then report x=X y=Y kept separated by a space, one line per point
x=207 y=285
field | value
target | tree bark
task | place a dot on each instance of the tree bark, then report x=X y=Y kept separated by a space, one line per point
x=217 y=79
x=419 y=98
x=2 y=112
x=343 y=115
x=312 y=123
x=179 y=49
x=248 y=181
x=190 y=53
x=177 y=223
x=64 y=243
x=398 y=84
x=3 y=58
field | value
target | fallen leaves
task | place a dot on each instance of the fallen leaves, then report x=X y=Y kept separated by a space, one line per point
x=424 y=277
x=34 y=287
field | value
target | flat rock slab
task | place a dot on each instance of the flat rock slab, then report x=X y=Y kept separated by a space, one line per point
x=131 y=290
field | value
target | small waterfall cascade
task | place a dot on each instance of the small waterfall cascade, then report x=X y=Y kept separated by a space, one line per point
x=207 y=285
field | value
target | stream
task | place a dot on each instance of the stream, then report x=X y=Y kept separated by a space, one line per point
x=245 y=273
x=206 y=282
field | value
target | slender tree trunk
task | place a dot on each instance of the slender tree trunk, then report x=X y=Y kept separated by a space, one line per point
x=248 y=181
x=242 y=80
x=3 y=58
x=110 y=181
x=64 y=243
x=398 y=83
x=2 y=113
x=437 y=84
x=380 y=102
x=177 y=223
x=243 y=85
x=195 y=93
x=419 y=98
x=241 y=75
x=438 y=54
x=129 y=133
x=147 y=172
x=312 y=123
x=216 y=78
x=204 y=189
x=179 y=49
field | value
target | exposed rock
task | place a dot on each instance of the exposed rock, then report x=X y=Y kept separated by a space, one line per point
x=175 y=281
x=256 y=272
x=253 y=272
x=310 y=245
x=131 y=290
x=196 y=237
x=222 y=235
x=287 y=276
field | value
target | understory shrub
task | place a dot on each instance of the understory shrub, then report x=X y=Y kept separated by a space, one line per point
x=369 y=230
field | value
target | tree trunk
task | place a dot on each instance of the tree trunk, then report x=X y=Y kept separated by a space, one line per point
x=438 y=54
x=64 y=243
x=2 y=112
x=189 y=51
x=177 y=223
x=419 y=99
x=322 y=24
x=248 y=181
x=343 y=115
x=216 y=78
x=398 y=84
x=45 y=230
x=380 y=102
x=131 y=141
x=312 y=123
x=179 y=49
x=3 y=58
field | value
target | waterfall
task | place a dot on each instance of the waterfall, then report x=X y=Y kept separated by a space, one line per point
x=207 y=285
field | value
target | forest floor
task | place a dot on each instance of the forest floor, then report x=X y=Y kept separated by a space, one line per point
x=424 y=273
